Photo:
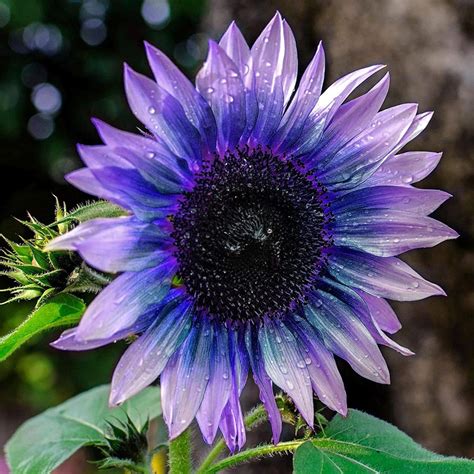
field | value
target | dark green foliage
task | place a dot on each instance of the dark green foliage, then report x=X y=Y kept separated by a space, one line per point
x=362 y=443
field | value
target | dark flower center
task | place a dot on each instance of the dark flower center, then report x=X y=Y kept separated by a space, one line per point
x=250 y=235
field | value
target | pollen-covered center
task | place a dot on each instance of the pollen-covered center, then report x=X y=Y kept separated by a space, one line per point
x=249 y=236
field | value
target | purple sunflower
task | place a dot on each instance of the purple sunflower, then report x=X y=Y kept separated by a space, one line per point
x=262 y=232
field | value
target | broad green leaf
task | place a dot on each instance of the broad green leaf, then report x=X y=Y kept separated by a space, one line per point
x=362 y=443
x=61 y=310
x=44 y=442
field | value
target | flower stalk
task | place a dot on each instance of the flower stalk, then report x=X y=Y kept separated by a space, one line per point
x=179 y=456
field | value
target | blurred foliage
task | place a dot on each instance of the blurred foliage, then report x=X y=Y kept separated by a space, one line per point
x=62 y=64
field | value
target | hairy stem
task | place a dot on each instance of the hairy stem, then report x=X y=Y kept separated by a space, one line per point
x=252 y=419
x=254 y=453
x=180 y=454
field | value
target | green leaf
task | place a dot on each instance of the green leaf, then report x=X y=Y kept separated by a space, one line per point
x=44 y=442
x=362 y=443
x=61 y=310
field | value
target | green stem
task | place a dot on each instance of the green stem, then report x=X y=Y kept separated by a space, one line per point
x=254 y=453
x=253 y=419
x=180 y=454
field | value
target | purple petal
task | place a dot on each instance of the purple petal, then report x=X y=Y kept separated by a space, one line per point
x=274 y=66
x=264 y=383
x=282 y=357
x=115 y=245
x=185 y=378
x=137 y=194
x=234 y=44
x=122 y=302
x=361 y=310
x=387 y=277
x=351 y=119
x=327 y=106
x=220 y=84
x=306 y=97
x=274 y=54
x=101 y=156
x=116 y=171
x=359 y=158
x=146 y=148
x=219 y=386
x=85 y=180
x=145 y=359
x=325 y=377
x=404 y=169
x=420 y=122
x=68 y=341
x=163 y=115
x=417 y=201
x=387 y=233
x=175 y=83
x=381 y=312
x=232 y=421
x=346 y=336
x=232 y=424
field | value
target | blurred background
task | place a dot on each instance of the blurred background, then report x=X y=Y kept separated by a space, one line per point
x=61 y=63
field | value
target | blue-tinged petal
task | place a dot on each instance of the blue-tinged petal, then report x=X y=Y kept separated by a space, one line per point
x=263 y=381
x=173 y=81
x=100 y=156
x=219 y=387
x=387 y=233
x=358 y=305
x=360 y=158
x=420 y=122
x=163 y=115
x=185 y=378
x=135 y=193
x=387 y=277
x=234 y=44
x=413 y=200
x=404 y=169
x=150 y=149
x=325 y=377
x=220 y=84
x=232 y=420
x=306 y=97
x=122 y=302
x=145 y=359
x=166 y=179
x=274 y=67
x=290 y=65
x=345 y=335
x=350 y=120
x=68 y=340
x=327 y=106
x=116 y=245
x=381 y=312
x=282 y=356
x=85 y=180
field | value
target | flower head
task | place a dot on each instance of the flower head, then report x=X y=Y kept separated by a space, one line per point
x=262 y=233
